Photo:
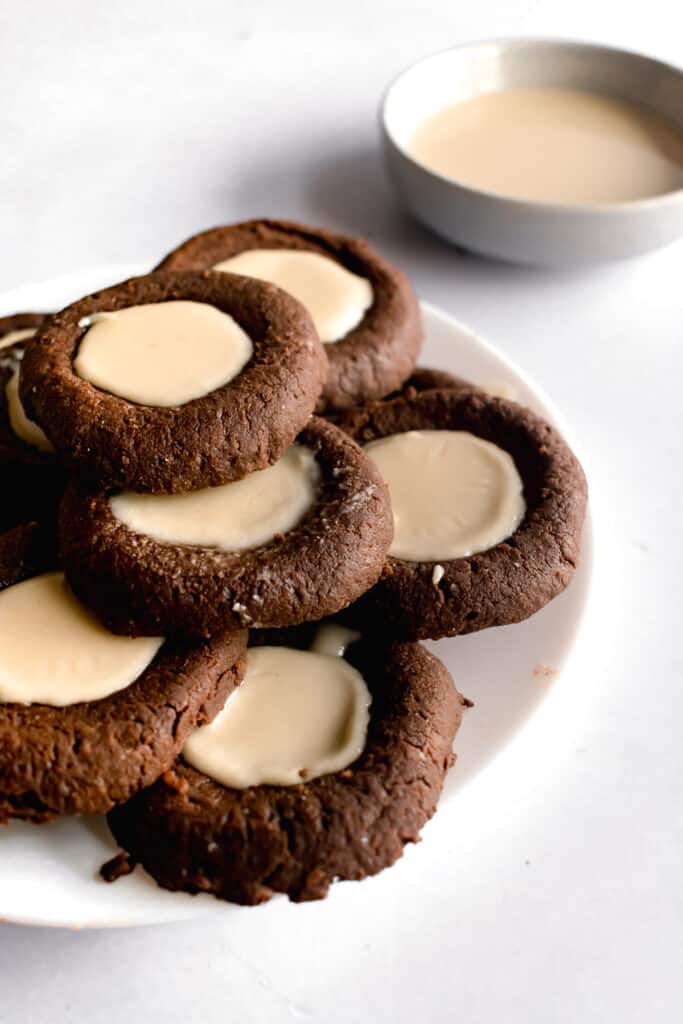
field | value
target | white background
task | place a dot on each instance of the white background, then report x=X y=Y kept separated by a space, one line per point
x=550 y=889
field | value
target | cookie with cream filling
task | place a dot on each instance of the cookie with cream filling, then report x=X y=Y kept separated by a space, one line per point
x=364 y=307
x=495 y=527
x=173 y=382
x=87 y=718
x=300 y=539
x=248 y=842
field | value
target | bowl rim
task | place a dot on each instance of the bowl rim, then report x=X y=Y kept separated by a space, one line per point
x=662 y=201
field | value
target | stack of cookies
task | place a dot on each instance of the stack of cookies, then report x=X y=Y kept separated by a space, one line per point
x=232 y=508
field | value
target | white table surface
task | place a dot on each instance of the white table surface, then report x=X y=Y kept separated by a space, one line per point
x=550 y=889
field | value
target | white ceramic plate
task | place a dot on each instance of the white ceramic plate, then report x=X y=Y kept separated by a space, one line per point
x=48 y=873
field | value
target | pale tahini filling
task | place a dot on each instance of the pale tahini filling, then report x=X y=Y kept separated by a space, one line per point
x=14 y=337
x=452 y=494
x=333 y=639
x=336 y=298
x=162 y=354
x=234 y=516
x=24 y=428
x=54 y=651
x=296 y=715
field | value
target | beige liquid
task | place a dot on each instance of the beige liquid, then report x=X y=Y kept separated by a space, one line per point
x=553 y=145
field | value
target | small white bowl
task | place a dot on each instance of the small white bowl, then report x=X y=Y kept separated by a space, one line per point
x=517 y=230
